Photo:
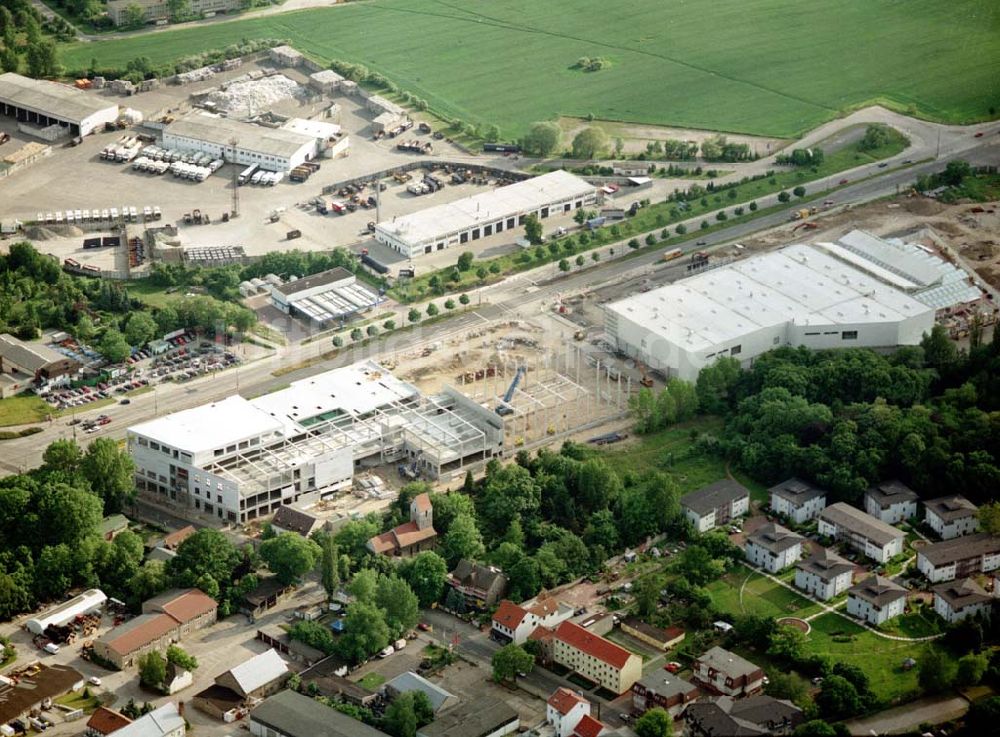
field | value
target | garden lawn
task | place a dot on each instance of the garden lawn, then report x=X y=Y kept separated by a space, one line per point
x=23 y=410
x=77 y=700
x=372 y=681
x=761 y=596
x=770 y=67
x=879 y=658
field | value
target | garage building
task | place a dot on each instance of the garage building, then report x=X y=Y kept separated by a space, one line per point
x=273 y=149
x=483 y=215
x=324 y=298
x=46 y=103
x=796 y=296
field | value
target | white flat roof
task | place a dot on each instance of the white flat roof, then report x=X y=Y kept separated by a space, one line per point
x=313 y=128
x=798 y=284
x=531 y=194
x=220 y=131
x=51 y=98
x=210 y=426
x=899 y=260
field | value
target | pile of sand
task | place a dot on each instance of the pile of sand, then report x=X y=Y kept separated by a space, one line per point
x=46 y=233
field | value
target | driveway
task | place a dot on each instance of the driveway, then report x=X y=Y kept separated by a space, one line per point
x=903 y=719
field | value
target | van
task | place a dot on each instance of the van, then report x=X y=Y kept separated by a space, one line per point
x=51 y=648
x=386 y=652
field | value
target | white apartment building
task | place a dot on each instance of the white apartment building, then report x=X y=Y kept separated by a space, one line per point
x=726 y=673
x=892 y=502
x=866 y=534
x=824 y=575
x=958 y=600
x=514 y=623
x=564 y=710
x=237 y=459
x=951 y=516
x=716 y=505
x=797 y=500
x=959 y=557
x=773 y=548
x=876 y=600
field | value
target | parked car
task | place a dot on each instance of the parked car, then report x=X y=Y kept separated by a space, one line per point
x=673 y=667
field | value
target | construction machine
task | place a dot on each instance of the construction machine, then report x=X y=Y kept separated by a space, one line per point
x=504 y=408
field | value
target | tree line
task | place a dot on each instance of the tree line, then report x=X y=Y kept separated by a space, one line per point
x=24 y=46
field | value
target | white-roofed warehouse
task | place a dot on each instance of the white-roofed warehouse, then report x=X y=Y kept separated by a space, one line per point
x=797 y=296
x=273 y=149
x=86 y=603
x=485 y=214
x=325 y=297
x=46 y=103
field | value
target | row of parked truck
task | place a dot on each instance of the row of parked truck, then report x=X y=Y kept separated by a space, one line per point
x=98 y=216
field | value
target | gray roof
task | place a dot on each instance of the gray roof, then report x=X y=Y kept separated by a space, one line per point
x=331 y=276
x=278 y=142
x=713 y=496
x=50 y=98
x=861 y=523
x=878 y=590
x=293 y=520
x=295 y=715
x=729 y=663
x=961 y=548
x=892 y=492
x=258 y=671
x=951 y=508
x=666 y=684
x=410 y=681
x=826 y=564
x=474 y=719
x=470 y=573
x=756 y=715
x=156 y=723
x=29 y=356
x=774 y=538
x=960 y=594
x=797 y=491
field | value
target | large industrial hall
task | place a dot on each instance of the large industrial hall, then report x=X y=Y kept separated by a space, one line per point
x=43 y=103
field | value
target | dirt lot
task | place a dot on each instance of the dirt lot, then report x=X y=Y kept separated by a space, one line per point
x=471 y=683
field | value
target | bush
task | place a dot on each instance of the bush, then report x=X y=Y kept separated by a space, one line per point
x=799 y=191
x=783 y=196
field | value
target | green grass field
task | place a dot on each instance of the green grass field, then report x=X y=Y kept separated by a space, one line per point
x=760 y=596
x=23 y=410
x=880 y=658
x=771 y=67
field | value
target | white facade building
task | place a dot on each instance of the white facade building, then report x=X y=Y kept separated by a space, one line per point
x=824 y=575
x=515 y=623
x=237 y=459
x=727 y=673
x=861 y=531
x=485 y=214
x=564 y=710
x=892 y=502
x=796 y=296
x=773 y=548
x=324 y=298
x=951 y=516
x=716 y=504
x=797 y=500
x=876 y=600
x=45 y=103
x=958 y=600
x=273 y=149
x=959 y=557
x=165 y=721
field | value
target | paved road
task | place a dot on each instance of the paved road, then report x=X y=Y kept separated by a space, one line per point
x=904 y=719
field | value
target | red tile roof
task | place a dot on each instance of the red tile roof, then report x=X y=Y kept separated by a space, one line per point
x=105 y=721
x=174 y=539
x=422 y=502
x=588 y=727
x=137 y=633
x=604 y=650
x=403 y=536
x=189 y=606
x=544 y=608
x=509 y=614
x=563 y=700
x=541 y=634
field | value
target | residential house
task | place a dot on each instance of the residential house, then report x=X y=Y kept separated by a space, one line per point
x=727 y=717
x=482 y=586
x=958 y=600
x=891 y=501
x=773 y=547
x=177 y=679
x=564 y=710
x=104 y=721
x=662 y=689
x=876 y=600
x=824 y=575
x=716 y=504
x=595 y=658
x=483 y=717
x=410 y=537
x=797 y=500
x=291 y=714
x=112 y=526
x=728 y=674
x=410 y=681
x=166 y=619
x=514 y=623
x=166 y=721
x=290 y=519
x=657 y=637
x=862 y=532
x=959 y=557
x=591 y=727
x=951 y=516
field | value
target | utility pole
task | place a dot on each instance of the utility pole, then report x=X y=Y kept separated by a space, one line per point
x=234 y=208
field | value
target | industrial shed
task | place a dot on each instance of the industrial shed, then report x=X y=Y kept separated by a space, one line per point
x=86 y=603
x=273 y=149
x=50 y=103
x=485 y=214
x=323 y=298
